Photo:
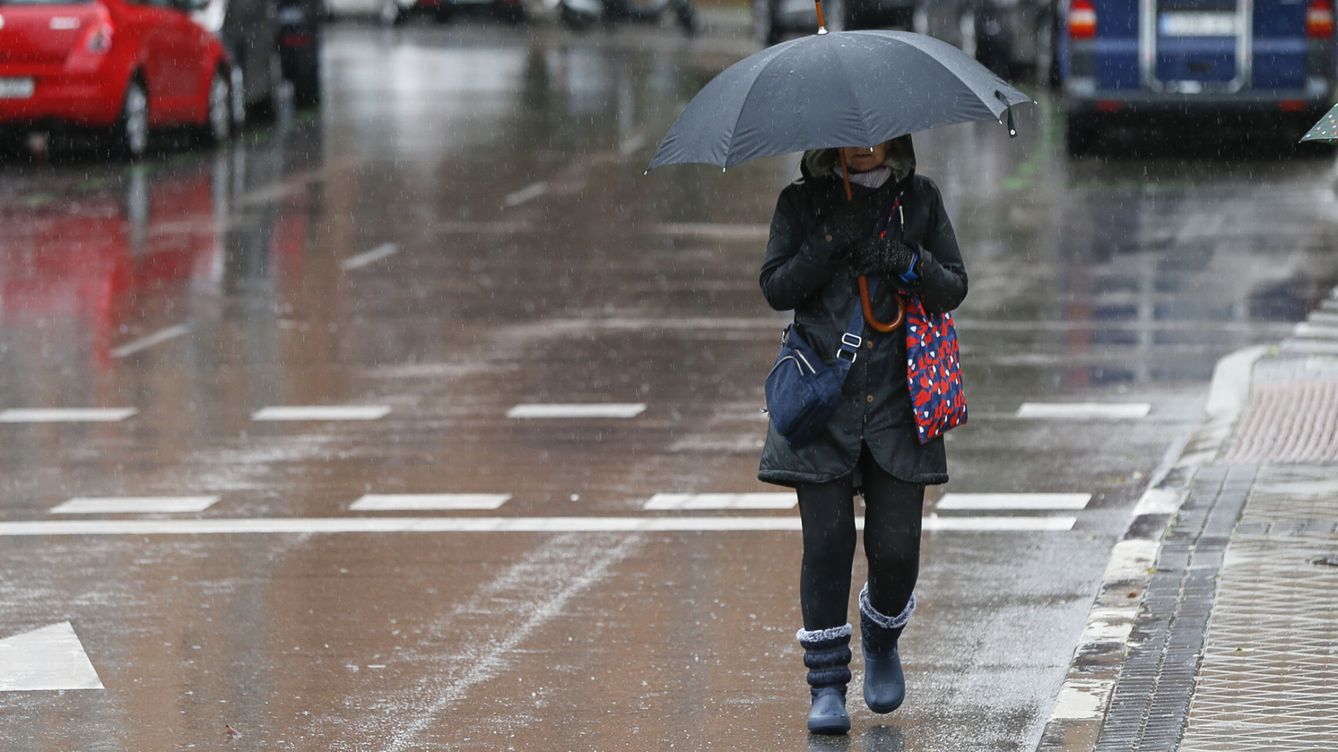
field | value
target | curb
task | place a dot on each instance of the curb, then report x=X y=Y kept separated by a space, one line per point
x=1083 y=699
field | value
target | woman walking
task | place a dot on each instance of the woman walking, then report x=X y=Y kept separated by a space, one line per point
x=896 y=231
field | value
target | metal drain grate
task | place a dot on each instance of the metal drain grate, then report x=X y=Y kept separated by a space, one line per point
x=1290 y=421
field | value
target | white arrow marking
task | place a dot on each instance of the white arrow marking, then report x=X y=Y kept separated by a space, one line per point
x=157 y=338
x=370 y=257
x=49 y=658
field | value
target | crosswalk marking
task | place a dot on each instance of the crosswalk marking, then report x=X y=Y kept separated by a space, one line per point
x=67 y=415
x=330 y=525
x=673 y=502
x=1014 y=501
x=321 y=412
x=425 y=502
x=591 y=410
x=135 y=504
x=1084 y=410
x=46 y=659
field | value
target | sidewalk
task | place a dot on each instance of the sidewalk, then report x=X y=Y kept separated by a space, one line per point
x=1234 y=642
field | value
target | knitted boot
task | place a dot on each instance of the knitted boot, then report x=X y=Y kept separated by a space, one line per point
x=827 y=656
x=884 y=682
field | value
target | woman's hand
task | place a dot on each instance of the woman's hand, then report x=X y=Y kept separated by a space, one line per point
x=889 y=257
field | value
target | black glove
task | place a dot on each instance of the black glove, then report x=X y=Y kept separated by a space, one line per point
x=889 y=257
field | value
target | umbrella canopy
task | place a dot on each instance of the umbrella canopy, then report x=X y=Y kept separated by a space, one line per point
x=1326 y=129
x=846 y=88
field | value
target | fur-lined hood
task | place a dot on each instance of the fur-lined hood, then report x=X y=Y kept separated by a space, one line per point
x=900 y=157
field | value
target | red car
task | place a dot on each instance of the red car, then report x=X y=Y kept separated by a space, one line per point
x=119 y=66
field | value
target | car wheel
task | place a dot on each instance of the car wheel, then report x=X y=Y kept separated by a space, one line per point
x=130 y=135
x=512 y=14
x=764 y=23
x=217 y=125
x=966 y=26
x=1081 y=135
x=687 y=18
x=237 y=96
x=272 y=104
x=575 y=20
x=307 y=77
x=390 y=13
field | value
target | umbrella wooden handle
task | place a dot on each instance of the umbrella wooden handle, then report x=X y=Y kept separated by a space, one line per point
x=874 y=323
x=864 y=298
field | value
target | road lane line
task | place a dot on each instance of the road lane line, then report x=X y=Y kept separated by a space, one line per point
x=519 y=602
x=676 y=502
x=67 y=415
x=134 y=504
x=384 y=250
x=320 y=412
x=1084 y=410
x=425 y=502
x=331 y=525
x=1014 y=501
x=591 y=410
x=47 y=659
x=528 y=193
x=144 y=343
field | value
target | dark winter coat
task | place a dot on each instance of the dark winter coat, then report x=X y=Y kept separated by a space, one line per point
x=804 y=270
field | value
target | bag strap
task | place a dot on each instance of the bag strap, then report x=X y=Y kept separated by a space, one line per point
x=848 y=350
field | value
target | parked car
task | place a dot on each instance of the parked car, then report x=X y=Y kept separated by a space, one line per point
x=249 y=30
x=773 y=19
x=1013 y=38
x=300 y=24
x=122 y=67
x=388 y=12
x=1222 y=61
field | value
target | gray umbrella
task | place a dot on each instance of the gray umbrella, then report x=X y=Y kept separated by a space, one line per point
x=846 y=88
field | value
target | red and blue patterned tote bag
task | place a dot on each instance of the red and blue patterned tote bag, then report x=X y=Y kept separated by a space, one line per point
x=933 y=371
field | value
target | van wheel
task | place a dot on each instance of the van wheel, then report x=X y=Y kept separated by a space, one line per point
x=130 y=134
x=1081 y=135
x=217 y=126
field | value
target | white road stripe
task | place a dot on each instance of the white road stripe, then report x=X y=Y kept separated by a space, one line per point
x=316 y=525
x=135 y=505
x=46 y=659
x=528 y=193
x=715 y=231
x=321 y=412
x=1014 y=502
x=67 y=415
x=672 y=502
x=592 y=410
x=1315 y=330
x=424 y=502
x=144 y=343
x=1084 y=410
x=632 y=145
x=370 y=257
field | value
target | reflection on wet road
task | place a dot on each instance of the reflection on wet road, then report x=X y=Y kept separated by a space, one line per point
x=453 y=300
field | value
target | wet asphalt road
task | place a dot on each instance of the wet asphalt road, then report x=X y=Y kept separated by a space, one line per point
x=465 y=228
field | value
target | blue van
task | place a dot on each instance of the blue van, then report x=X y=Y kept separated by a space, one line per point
x=1218 y=60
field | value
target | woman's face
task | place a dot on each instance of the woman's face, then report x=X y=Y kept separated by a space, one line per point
x=863 y=159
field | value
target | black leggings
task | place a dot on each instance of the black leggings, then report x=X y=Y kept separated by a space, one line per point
x=891 y=543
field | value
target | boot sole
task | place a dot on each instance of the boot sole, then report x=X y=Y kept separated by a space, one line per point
x=834 y=729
